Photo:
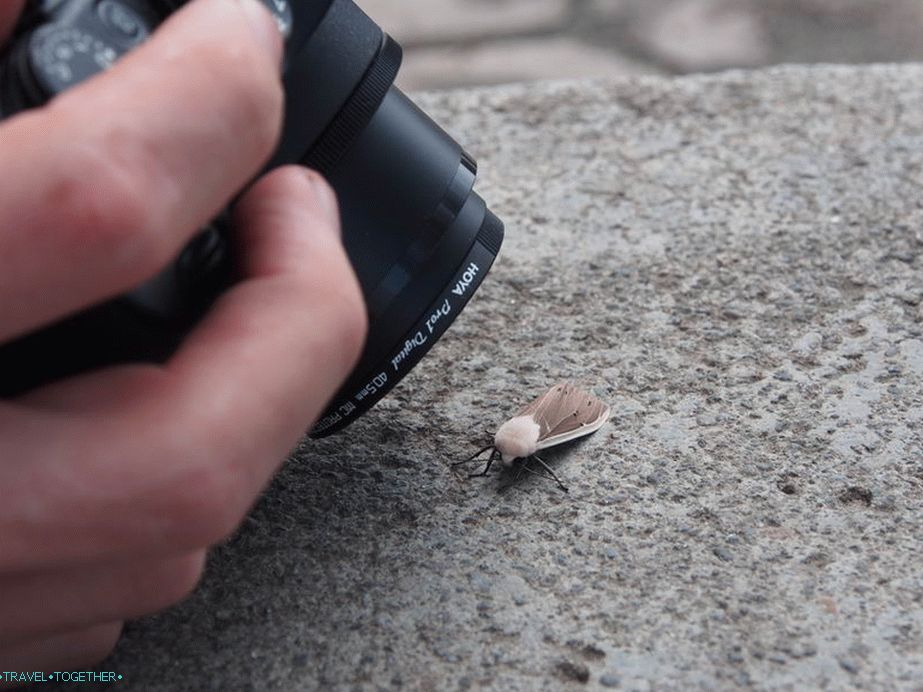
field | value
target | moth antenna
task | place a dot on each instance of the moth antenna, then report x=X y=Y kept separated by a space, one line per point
x=486 y=471
x=548 y=469
x=473 y=456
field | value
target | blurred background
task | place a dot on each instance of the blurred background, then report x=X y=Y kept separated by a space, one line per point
x=451 y=43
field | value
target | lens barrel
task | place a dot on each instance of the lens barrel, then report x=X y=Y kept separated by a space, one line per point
x=420 y=239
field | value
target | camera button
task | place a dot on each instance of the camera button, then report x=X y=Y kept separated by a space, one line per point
x=123 y=21
x=282 y=11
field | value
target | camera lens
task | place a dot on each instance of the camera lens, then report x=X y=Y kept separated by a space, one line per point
x=419 y=237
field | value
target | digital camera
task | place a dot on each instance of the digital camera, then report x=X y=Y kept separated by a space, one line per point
x=419 y=237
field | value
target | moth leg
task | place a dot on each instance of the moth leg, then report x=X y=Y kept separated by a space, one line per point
x=486 y=471
x=534 y=472
x=551 y=473
x=473 y=456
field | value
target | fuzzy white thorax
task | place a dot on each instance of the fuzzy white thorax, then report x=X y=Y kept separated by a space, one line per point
x=517 y=438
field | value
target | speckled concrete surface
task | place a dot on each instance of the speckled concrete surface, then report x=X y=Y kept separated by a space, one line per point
x=734 y=263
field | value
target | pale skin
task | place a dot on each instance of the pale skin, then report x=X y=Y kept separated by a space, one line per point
x=113 y=485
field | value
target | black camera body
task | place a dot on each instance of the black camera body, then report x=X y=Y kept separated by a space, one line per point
x=419 y=237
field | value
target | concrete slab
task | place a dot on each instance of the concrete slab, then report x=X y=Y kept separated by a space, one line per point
x=734 y=263
x=437 y=21
x=513 y=60
x=704 y=35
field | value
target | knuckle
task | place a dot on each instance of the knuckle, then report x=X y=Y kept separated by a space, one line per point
x=354 y=324
x=178 y=580
x=255 y=97
x=348 y=321
x=207 y=505
x=103 y=191
x=99 y=642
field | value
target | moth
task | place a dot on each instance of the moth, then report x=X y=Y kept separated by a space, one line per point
x=563 y=413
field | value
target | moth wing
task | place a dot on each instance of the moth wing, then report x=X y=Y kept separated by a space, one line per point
x=583 y=414
x=550 y=408
x=565 y=412
x=573 y=434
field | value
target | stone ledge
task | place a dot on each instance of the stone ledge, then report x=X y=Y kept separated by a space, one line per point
x=514 y=60
x=439 y=21
x=734 y=263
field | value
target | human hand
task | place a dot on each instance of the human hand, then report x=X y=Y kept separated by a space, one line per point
x=113 y=484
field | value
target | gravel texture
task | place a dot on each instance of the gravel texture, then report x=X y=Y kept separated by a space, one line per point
x=734 y=263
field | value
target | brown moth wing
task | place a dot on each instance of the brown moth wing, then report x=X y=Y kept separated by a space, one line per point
x=546 y=409
x=589 y=416
x=565 y=412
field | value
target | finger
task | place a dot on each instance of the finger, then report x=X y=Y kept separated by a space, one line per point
x=9 y=13
x=291 y=332
x=179 y=454
x=67 y=651
x=33 y=605
x=106 y=183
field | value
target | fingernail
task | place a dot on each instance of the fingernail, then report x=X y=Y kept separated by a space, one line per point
x=265 y=28
x=326 y=197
